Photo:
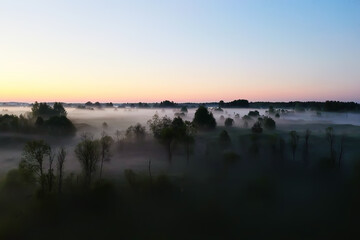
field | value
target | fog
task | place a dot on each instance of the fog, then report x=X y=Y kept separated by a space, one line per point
x=91 y=121
x=250 y=181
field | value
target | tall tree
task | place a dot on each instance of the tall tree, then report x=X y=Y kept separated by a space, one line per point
x=60 y=167
x=88 y=152
x=33 y=159
x=105 y=145
x=294 y=140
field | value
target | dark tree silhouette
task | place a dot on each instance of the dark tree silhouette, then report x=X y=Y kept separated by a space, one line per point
x=269 y=123
x=88 y=152
x=136 y=132
x=105 y=145
x=203 y=119
x=331 y=138
x=256 y=128
x=229 y=122
x=60 y=167
x=224 y=138
x=294 y=140
x=306 y=147
x=33 y=159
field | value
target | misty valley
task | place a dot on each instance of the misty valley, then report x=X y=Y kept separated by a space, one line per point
x=179 y=171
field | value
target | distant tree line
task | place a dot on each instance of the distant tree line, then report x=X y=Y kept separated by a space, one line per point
x=240 y=103
x=328 y=106
x=43 y=119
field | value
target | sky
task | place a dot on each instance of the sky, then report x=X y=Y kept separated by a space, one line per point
x=184 y=50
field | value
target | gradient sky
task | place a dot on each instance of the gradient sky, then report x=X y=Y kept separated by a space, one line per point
x=185 y=50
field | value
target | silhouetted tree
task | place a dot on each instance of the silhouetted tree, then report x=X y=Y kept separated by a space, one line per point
x=105 y=145
x=88 y=152
x=341 y=149
x=59 y=109
x=269 y=123
x=60 y=167
x=224 y=138
x=229 y=122
x=254 y=113
x=256 y=128
x=33 y=159
x=306 y=148
x=189 y=138
x=50 y=174
x=136 y=132
x=330 y=138
x=203 y=119
x=184 y=109
x=163 y=132
x=59 y=125
x=294 y=140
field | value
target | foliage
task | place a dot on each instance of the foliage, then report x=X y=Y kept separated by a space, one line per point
x=269 y=123
x=136 y=132
x=224 y=138
x=240 y=103
x=33 y=159
x=45 y=110
x=254 y=113
x=59 y=126
x=256 y=128
x=88 y=152
x=204 y=119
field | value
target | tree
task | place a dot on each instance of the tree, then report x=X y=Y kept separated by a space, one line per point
x=50 y=174
x=59 y=125
x=224 y=138
x=189 y=138
x=33 y=159
x=256 y=128
x=271 y=110
x=168 y=132
x=330 y=138
x=184 y=109
x=136 y=132
x=162 y=131
x=59 y=109
x=294 y=139
x=269 y=123
x=105 y=144
x=88 y=152
x=60 y=167
x=306 y=148
x=229 y=122
x=204 y=119
x=254 y=113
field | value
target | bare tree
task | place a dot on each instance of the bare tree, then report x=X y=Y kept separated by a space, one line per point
x=60 y=167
